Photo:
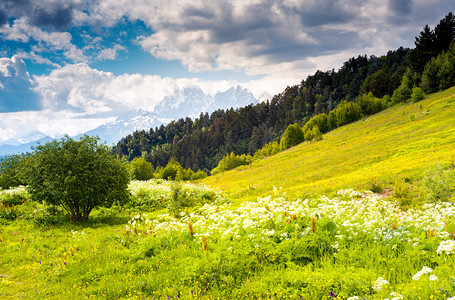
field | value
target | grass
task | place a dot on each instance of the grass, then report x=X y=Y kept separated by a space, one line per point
x=269 y=249
x=185 y=241
x=402 y=141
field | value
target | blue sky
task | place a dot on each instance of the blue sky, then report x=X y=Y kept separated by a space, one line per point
x=69 y=66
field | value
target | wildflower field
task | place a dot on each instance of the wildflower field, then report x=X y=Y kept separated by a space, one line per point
x=352 y=245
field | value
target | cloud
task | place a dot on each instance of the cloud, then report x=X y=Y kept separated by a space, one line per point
x=21 y=30
x=16 y=93
x=109 y=53
x=17 y=124
x=56 y=15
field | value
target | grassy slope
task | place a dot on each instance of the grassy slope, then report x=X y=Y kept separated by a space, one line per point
x=386 y=146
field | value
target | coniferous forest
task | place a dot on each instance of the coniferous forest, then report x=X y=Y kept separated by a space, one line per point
x=201 y=143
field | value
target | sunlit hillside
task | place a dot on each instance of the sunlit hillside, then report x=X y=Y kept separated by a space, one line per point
x=398 y=143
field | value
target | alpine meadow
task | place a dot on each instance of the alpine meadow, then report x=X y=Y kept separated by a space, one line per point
x=339 y=187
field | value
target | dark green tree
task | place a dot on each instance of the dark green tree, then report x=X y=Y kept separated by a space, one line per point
x=292 y=136
x=78 y=175
x=141 y=169
x=10 y=171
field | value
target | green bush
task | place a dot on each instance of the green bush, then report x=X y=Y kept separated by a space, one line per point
x=180 y=198
x=417 y=94
x=293 y=135
x=141 y=169
x=12 y=199
x=438 y=184
x=231 y=161
x=76 y=175
x=403 y=92
x=369 y=104
x=402 y=192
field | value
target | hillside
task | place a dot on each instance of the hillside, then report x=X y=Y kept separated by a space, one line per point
x=400 y=142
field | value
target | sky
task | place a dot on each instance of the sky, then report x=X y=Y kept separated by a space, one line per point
x=67 y=66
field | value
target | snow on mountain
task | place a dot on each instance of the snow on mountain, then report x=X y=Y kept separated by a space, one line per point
x=126 y=124
x=190 y=102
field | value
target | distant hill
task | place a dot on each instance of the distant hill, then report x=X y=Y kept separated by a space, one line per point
x=400 y=142
x=18 y=148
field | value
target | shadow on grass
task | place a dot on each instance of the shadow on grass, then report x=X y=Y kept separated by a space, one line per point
x=98 y=219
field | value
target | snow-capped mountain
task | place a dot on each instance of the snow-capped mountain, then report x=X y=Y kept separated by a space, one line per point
x=190 y=102
x=125 y=124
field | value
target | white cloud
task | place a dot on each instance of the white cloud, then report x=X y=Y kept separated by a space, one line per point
x=84 y=90
x=14 y=125
x=109 y=53
x=21 y=30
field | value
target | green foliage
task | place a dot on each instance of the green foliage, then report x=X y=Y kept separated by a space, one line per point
x=347 y=112
x=293 y=135
x=379 y=84
x=438 y=184
x=403 y=92
x=369 y=104
x=321 y=121
x=198 y=175
x=402 y=192
x=169 y=172
x=439 y=73
x=179 y=199
x=10 y=172
x=232 y=161
x=266 y=151
x=417 y=94
x=77 y=175
x=174 y=171
x=313 y=134
x=376 y=186
x=430 y=77
x=141 y=169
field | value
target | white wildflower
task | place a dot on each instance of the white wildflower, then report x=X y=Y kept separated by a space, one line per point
x=379 y=284
x=425 y=270
x=447 y=247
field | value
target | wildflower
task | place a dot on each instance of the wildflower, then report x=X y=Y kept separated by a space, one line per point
x=446 y=246
x=379 y=284
x=425 y=270
x=354 y=298
x=433 y=278
x=396 y=296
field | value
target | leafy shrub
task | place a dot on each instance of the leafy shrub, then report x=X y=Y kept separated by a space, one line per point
x=12 y=199
x=438 y=184
x=376 y=186
x=369 y=104
x=347 y=112
x=141 y=169
x=10 y=172
x=313 y=134
x=417 y=94
x=403 y=92
x=402 y=192
x=179 y=199
x=293 y=135
x=231 y=161
x=321 y=121
x=268 y=150
x=77 y=175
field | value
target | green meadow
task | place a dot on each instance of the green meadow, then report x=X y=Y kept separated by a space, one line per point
x=365 y=213
x=400 y=143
